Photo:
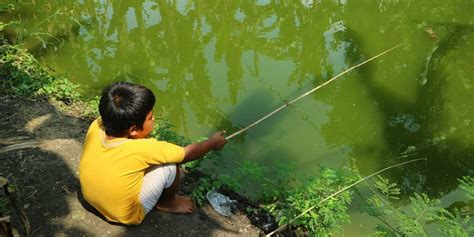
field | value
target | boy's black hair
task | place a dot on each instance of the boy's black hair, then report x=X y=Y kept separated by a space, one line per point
x=123 y=105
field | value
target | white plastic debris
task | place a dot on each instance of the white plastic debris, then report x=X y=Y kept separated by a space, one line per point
x=221 y=203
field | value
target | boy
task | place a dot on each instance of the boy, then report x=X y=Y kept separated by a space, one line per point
x=123 y=174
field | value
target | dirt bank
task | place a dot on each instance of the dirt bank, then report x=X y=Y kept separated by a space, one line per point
x=45 y=171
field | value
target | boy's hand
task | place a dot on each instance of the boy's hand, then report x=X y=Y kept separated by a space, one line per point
x=197 y=150
x=218 y=140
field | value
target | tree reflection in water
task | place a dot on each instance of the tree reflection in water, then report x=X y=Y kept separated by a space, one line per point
x=204 y=58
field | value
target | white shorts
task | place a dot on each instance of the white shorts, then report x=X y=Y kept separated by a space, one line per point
x=157 y=178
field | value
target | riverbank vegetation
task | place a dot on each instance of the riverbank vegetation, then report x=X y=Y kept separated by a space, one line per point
x=282 y=193
x=22 y=76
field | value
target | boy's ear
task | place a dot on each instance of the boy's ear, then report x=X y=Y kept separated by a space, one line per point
x=133 y=131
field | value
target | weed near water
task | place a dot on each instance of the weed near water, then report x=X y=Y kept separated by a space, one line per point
x=326 y=218
x=22 y=75
x=164 y=131
x=62 y=89
x=90 y=107
x=20 y=72
x=423 y=216
x=285 y=195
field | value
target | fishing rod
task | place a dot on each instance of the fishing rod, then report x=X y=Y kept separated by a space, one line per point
x=309 y=92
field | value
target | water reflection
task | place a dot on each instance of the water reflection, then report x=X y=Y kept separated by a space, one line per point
x=417 y=128
x=206 y=60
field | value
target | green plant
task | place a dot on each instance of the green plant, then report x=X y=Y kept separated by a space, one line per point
x=327 y=217
x=453 y=224
x=378 y=203
x=21 y=72
x=278 y=185
x=61 y=89
x=228 y=181
x=91 y=107
x=467 y=185
x=206 y=183
x=422 y=210
x=417 y=215
x=251 y=170
x=198 y=194
x=25 y=77
x=163 y=131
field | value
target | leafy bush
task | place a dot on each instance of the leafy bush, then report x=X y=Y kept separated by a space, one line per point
x=163 y=131
x=20 y=71
x=279 y=185
x=326 y=218
x=198 y=193
x=417 y=215
x=61 y=89
x=22 y=75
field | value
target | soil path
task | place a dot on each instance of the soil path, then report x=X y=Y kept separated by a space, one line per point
x=45 y=172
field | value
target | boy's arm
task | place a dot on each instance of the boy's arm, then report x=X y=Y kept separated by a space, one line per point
x=197 y=150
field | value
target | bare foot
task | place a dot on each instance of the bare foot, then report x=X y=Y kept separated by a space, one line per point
x=179 y=204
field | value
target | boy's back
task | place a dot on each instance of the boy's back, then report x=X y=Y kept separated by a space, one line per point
x=111 y=172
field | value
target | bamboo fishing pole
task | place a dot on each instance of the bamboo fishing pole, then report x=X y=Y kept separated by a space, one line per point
x=309 y=92
x=342 y=190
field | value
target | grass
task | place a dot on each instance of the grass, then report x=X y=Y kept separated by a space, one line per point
x=21 y=75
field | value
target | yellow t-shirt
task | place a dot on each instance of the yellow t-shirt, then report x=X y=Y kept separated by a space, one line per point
x=111 y=172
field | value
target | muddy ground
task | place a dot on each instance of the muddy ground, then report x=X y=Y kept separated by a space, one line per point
x=43 y=166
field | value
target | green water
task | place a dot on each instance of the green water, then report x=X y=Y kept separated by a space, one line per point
x=224 y=64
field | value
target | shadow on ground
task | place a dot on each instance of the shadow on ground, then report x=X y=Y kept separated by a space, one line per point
x=47 y=183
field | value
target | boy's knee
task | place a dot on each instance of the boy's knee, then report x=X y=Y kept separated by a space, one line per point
x=172 y=173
